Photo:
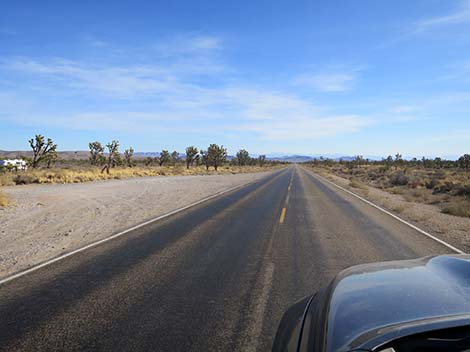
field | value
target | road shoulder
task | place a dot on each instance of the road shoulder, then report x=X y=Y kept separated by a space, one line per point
x=451 y=229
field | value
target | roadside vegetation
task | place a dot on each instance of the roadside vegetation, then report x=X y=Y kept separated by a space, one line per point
x=105 y=161
x=4 y=200
x=439 y=182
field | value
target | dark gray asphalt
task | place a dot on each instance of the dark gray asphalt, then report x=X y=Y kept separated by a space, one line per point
x=215 y=277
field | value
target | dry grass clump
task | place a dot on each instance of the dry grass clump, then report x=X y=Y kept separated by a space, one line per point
x=74 y=175
x=6 y=179
x=4 y=200
x=397 y=207
x=419 y=195
x=396 y=190
x=458 y=207
x=356 y=184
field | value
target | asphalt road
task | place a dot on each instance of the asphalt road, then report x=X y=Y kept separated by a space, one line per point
x=216 y=277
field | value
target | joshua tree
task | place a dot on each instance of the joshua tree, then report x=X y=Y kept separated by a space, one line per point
x=149 y=161
x=113 y=156
x=175 y=157
x=50 y=158
x=96 y=153
x=205 y=158
x=243 y=157
x=42 y=150
x=464 y=161
x=128 y=154
x=359 y=160
x=398 y=160
x=388 y=162
x=191 y=155
x=216 y=155
x=262 y=160
x=164 y=157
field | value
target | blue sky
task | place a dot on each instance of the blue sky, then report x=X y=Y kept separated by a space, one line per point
x=311 y=77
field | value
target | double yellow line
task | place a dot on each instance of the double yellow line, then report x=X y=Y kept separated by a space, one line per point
x=284 y=209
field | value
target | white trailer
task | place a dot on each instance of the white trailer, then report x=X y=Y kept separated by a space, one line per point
x=18 y=164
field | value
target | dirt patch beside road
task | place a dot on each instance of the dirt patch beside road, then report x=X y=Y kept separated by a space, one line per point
x=48 y=220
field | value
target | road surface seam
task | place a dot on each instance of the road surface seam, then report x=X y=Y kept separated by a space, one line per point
x=119 y=234
x=455 y=249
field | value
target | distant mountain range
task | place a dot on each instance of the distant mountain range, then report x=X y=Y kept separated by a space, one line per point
x=293 y=158
x=305 y=158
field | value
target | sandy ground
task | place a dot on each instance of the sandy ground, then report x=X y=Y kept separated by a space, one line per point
x=452 y=229
x=49 y=220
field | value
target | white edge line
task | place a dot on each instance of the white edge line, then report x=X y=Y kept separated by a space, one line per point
x=119 y=234
x=455 y=249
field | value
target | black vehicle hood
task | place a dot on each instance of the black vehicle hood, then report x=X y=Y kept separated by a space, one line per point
x=368 y=297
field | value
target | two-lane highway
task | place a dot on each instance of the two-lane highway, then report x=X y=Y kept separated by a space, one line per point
x=215 y=277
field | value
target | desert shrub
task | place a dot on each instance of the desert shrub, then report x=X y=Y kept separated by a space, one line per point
x=432 y=183
x=417 y=195
x=415 y=182
x=445 y=187
x=462 y=190
x=398 y=208
x=357 y=184
x=458 y=208
x=396 y=190
x=374 y=175
x=24 y=179
x=399 y=178
x=383 y=169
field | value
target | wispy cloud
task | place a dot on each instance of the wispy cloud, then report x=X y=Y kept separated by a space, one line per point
x=171 y=64
x=189 y=44
x=267 y=115
x=168 y=96
x=449 y=136
x=178 y=106
x=279 y=116
x=458 y=72
x=330 y=81
x=460 y=14
x=304 y=128
x=113 y=81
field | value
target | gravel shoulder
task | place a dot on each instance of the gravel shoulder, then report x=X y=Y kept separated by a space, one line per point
x=452 y=229
x=49 y=220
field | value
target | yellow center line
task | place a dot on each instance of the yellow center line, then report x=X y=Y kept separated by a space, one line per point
x=283 y=212
x=283 y=215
